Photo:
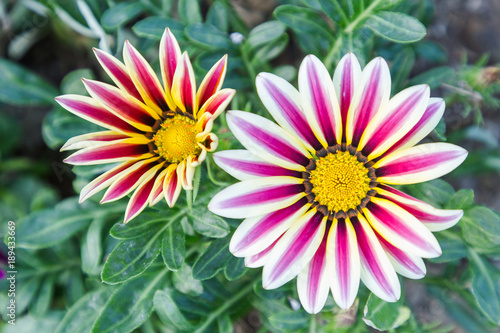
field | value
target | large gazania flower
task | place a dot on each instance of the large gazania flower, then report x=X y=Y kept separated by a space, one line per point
x=315 y=190
x=159 y=133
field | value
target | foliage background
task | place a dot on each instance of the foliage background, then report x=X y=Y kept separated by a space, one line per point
x=179 y=275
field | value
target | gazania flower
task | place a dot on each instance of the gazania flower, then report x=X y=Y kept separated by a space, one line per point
x=316 y=189
x=158 y=133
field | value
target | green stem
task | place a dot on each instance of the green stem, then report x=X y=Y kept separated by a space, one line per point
x=248 y=64
x=211 y=176
x=220 y=310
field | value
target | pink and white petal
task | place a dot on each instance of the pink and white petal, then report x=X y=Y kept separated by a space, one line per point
x=212 y=82
x=260 y=259
x=257 y=197
x=401 y=228
x=243 y=165
x=313 y=282
x=117 y=72
x=129 y=179
x=294 y=250
x=170 y=55
x=255 y=234
x=110 y=152
x=420 y=163
x=92 y=140
x=406 y=264
x=184 y=86
x=319 y=101
x=370 y=96
x=396 y=119
x=283 y=102
x=377 y=272
x=144 y=78
x=157 y=190
x=87 y=108
x=216 y=103
x=104 y=180
x=140 y=198
x=172 y=185
x=433 y=113
x=122 y=105
x=267 y=140
x=345 y=80
x=343 y=262
x=434 y=219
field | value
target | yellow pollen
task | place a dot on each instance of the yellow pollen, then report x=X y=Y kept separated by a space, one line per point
x=176 y=139
x=339 y=181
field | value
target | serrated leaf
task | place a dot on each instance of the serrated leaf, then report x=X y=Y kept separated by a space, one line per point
x=167 y=310
x=185 y=283
x=81 y=316
x=154 y=27
x=383 y=315
x=210 y=225
x=209 y=36
x=173 y=249
x=130 y=305
x=189 y=11
x=235 y=268
x=396 y=27
x=481 y=227
x=146 y=222
x=120 y=14
x=290 y=321
x=486 y=287
x=210 y=262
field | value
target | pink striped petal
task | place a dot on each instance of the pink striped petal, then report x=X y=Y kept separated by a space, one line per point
x=217 y=103
x=371 y=95
x=157 y=190
x=212 y=82
x=104 y=180
x=377 y=272
x=184 y=86
x=267 y=140
x=117 y=72
x=255 y=234
x=313 y=282
x=420 y=163
x=401 y=229
x=433 y=113
x=170 y=55
x=260 y=259
x=434 y=219
x=92 y=140
x=406 y=264
x=129 y=179
x=283 y=102
x=294 y=250
x=257 y=197
x=343 y=262
x=243 y=165
x=145 y=79
x=110 y=152
x=345 y=79
x=140 y=198
x=172 y=185
x=394 y=121
x=320 y=101
x=88 y=109
x=122 y=105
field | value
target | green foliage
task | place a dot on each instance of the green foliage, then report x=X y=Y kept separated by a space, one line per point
x=385 y=316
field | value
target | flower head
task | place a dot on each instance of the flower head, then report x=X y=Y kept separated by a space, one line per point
x=315 y=189
x=158 y=132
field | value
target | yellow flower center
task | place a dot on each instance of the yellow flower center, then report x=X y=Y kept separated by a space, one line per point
x=176 y=139
x=339 y=181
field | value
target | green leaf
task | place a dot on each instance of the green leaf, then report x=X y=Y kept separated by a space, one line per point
x=51 y=226
x=486 y=287
x=224 y=324
x=184 y=282
x=434 y=77
x=131 y=258
x=120 y=14
x=435 y=192
x=385 y=316
x=396 y=27
x=146 y=222
x=481 y=227
x=265 y=33
x=290 y=321
x=130 y=305
x=401 y=68
x=212 y=260
x=20 y=86
x=235 y=268
x=209 y=224
x=196 y=183
x=72 y=82
x=209 y=36
x=92 y=248
x=218 y=16
x=462 y=199
x=167 y=310
x=44 y=298
x=154 y=27
x=189 y=11
x=270 y=51
x=31 y=323
x=82 y=315
x=453 y=248
x=173 y=248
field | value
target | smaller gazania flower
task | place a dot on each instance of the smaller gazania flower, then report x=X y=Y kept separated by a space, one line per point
x=315 y=190
x=158 y=133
